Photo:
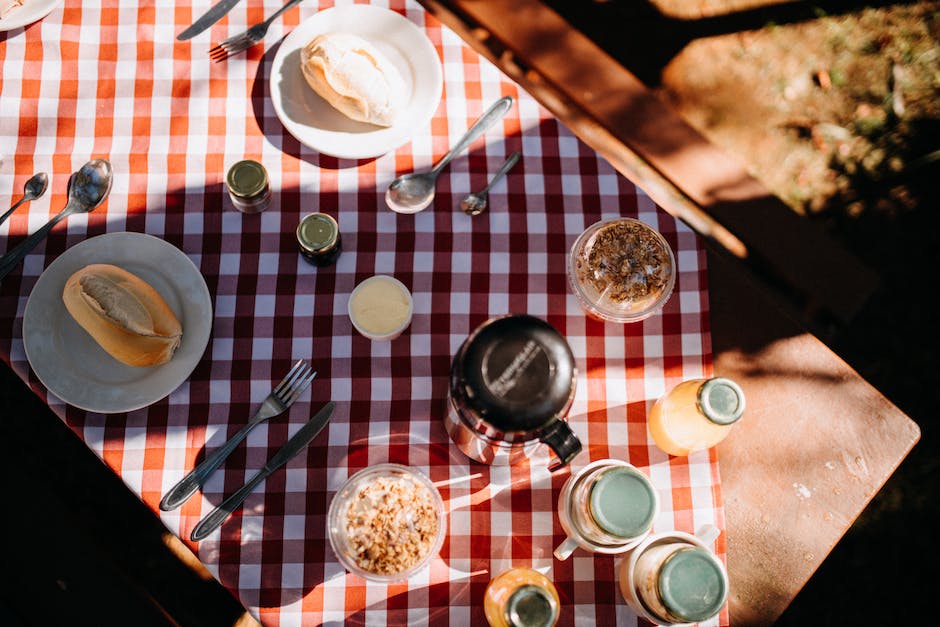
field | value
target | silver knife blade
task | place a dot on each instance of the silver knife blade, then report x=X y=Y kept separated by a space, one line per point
x=301 y=439
x=209 y=18
x=294 y=445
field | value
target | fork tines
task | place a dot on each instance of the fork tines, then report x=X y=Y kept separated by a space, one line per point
x=295 y=382
x=222 y=50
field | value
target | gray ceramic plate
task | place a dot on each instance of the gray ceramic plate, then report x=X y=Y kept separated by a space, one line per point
x=73 y=366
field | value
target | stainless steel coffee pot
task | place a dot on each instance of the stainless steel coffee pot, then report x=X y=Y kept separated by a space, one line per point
x=512 y=383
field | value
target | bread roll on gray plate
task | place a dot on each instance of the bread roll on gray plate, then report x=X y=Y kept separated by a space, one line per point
x=124 y=314
x=354 y=77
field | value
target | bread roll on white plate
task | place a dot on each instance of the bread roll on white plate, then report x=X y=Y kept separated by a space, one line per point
x=354 y=77
x=124 y=314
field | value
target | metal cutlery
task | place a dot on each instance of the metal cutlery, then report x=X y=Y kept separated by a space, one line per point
x=278 y=401
x=34 y=187
x=411 y=193
x=88 y=188
x=476 y=203
x=210 y=17
x=294 y=445
x=249 y=38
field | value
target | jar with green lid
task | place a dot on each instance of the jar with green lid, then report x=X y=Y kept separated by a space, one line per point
x=319 y=239
x=680 y=582
x=674 y=578
x=521 y=597
x=247 y=183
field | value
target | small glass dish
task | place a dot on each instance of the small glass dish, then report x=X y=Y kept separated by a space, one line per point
x=389 y=502
x=621 y=270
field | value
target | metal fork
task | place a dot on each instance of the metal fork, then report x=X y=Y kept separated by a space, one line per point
x=281 y=397
x=249 y=38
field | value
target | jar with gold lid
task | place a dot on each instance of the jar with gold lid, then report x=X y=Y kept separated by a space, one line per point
x=319 y=239
x=248 y=187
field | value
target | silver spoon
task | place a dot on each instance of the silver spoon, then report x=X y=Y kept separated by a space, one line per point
x=87 y=190
x=32 y=189
x=476 y=203
x=413 y=192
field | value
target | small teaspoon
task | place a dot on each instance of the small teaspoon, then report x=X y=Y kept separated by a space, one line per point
x=88 y=188
x=476 y=203
x=411 y=193
x=32 y=189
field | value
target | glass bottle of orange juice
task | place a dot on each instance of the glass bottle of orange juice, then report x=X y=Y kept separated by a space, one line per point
x=696 y=414
x=521 y=597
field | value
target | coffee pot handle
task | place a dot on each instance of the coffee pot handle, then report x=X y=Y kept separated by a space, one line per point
x=563 y=442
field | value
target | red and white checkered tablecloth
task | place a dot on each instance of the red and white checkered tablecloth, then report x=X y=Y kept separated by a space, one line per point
x=108 y=79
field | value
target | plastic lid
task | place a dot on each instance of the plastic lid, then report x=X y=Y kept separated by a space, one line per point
x=721 y=400
x=691 y=585
x=531 y=606
x=317 y=232
x=516 y=372
x=623 y=503
x=247 y=178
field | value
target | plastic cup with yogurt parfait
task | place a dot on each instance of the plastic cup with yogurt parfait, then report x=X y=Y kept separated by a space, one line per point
x=621 y=270
x=380 y=307
x=386 y=523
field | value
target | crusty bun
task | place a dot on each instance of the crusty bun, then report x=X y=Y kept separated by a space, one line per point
x=124 y=314
x=353 y=76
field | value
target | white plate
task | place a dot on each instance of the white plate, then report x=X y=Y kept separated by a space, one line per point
x=31 y=11
x=73 y=366
x=316 y=124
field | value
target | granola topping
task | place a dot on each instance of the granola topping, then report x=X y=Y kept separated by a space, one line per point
x=625 y=263
x=391 y=524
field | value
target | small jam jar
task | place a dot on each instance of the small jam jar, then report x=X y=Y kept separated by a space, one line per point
x=248 y=187
x=319 y=239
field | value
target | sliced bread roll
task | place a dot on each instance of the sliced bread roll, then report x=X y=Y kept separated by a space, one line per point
x=354 y=77
x=124 y=314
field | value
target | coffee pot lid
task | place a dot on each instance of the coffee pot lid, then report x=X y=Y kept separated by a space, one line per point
x=516 y=372
x=691 y=585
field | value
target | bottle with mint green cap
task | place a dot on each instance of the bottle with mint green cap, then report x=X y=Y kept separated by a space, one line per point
x=692 y=585
x=695 y=415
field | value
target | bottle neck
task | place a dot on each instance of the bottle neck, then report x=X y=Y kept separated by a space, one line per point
x=531 y=606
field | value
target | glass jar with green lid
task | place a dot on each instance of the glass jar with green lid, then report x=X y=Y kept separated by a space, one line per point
x=679 y=582
x=319 y=239
x=521 y=597
x=248 y=187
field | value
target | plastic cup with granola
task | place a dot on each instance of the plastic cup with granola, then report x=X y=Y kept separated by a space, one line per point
x=386 y=522
x=621 y=270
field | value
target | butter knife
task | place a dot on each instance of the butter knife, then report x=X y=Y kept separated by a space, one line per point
x=209 y=18
x=294 y=445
